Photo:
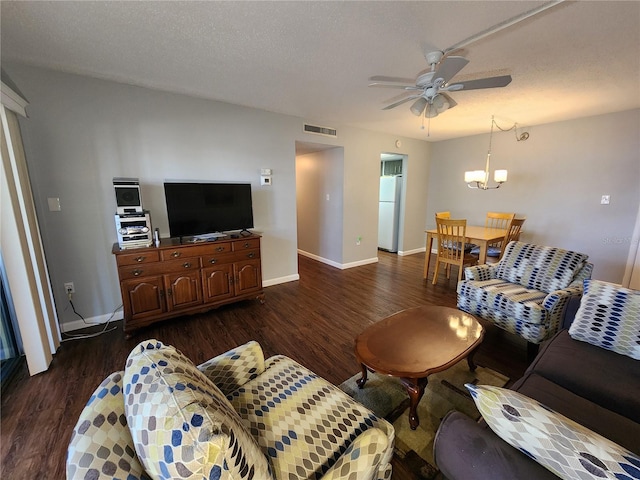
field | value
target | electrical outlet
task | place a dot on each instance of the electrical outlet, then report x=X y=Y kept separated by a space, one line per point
x=358 y=240
x=69 y=288
x=605 y=200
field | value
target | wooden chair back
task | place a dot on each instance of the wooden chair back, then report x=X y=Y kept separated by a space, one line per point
x=451 y=237
x=443 y=214
x=498 y=220
x=515 y=227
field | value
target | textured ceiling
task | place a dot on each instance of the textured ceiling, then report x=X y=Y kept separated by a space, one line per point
x=313 y=59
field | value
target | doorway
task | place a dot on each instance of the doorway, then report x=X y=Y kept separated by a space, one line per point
x=320 y=201
x=391 y=201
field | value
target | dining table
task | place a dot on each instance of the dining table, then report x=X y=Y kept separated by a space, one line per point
x=476 y=234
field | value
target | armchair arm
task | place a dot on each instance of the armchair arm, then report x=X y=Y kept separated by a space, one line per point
x=556 y=303
x=480 y=272
x=232 y=369
x=361 y=461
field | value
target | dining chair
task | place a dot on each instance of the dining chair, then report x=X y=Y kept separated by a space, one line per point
x=443 y=214
x=494 y=252
x=498 y=220
x=451 y=235
x=515 y=227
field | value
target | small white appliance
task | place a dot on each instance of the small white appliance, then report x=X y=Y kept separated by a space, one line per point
x=389 y=212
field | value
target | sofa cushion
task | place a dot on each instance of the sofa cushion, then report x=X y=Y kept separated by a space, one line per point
x=181 y=424
x=539 y=267
x=506 y=299
x=304 y=423
x=600 y=419
x=605 y=378
x=559 y=444
x=609 y=317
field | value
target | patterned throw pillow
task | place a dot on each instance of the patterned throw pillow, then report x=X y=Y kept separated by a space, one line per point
x=609 y=317
x=181 y=424
x=559 y=444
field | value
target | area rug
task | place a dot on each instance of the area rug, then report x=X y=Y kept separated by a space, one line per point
x=387 y=398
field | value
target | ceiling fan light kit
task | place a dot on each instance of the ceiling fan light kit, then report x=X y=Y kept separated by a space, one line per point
x=479 y=179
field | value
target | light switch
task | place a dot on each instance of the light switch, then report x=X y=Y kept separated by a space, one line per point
x=605 y=200
x=54 y=204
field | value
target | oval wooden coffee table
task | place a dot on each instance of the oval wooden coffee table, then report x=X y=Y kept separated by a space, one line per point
x=414 y=343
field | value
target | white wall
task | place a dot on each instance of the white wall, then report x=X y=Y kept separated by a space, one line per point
x=556 y=179
x=82 y=132
x=319 y=180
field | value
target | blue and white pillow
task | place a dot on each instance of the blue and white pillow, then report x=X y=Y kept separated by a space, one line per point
x=559 y=444
x=609 y=317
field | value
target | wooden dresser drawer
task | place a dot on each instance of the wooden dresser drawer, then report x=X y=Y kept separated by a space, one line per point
x=194 y=250
x=246 y=244
x=171 y=266
x=148 y=256
x=217 y=259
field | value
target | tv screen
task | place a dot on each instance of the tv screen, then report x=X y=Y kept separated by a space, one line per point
x=206 y=208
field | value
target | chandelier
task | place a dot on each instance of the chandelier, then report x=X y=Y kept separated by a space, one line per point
x=479 y=179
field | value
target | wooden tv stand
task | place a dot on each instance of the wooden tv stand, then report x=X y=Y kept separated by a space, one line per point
x=174 y=279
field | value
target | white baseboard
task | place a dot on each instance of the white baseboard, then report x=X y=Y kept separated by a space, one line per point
x=279 y=280
x=97 y=320
x=341 y=266
x=412 y=252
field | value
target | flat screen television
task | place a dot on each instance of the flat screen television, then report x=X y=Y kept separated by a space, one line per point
x=203 y=209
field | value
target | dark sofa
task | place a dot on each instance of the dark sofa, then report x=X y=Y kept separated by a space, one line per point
x=597 y=388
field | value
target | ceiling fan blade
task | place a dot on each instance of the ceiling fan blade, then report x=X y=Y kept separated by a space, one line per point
x=386 y=85
x=382 y=78
x=400 y=102
x=449 y=67
x=489 y=82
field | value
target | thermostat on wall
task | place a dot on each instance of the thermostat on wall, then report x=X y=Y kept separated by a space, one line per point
x=265 y=176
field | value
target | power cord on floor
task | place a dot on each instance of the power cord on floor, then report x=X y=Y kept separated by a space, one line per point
x=69 y=336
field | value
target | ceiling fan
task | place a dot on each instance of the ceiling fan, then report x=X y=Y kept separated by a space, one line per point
x=430 y=89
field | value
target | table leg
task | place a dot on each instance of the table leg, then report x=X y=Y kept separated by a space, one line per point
x=427 y=256
x=415 y=389
x=362 y=380
x=482 y=256
x=470 y=362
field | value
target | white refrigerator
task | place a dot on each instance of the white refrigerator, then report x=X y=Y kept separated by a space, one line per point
x=389 y=213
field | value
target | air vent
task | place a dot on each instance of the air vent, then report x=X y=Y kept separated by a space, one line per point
x=326 y=131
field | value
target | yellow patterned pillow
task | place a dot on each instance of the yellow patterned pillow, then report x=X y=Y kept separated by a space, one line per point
x=181 y=424
x=559 y=444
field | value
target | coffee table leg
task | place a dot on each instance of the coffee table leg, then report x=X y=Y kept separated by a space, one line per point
x=470 y=362
x=361 y=381
x=415 y=389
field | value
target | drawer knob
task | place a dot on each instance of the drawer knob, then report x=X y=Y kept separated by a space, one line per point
x=137 y=272
x=140 y=259
x=213 y=261
x=251 y=255
x=220 y=249
x=186 y=264
x=176 y=254
x=246 y=245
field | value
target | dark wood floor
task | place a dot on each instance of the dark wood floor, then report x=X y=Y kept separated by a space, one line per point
x=313 y=321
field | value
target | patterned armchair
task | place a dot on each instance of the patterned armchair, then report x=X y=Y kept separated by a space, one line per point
x=527 y=291
x=235 y=416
